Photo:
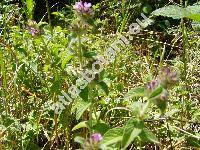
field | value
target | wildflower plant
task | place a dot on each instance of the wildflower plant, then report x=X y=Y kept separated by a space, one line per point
x=75 y=87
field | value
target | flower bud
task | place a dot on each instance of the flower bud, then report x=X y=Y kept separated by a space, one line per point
x=33 y=28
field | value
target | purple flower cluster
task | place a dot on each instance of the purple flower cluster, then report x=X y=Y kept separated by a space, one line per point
x=167 y=76
x=83 y=8
x=33 y=31
x=152 y=85
x=96 y=137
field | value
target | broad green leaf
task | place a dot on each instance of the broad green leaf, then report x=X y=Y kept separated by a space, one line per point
x=101 y=128
x=82 y=106
x=79 y=140
x=130 y=133
x=156 y=92
x=82 y=124
x=112 y=136
x=148 y=136
x=131 y=130
x=136 y=107
x=136 y=123
x=172 y=11
x=177 y=12
x=195 y=17
x=195 y=9
x=135 y=92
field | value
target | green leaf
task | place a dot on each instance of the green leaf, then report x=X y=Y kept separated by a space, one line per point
x=84 y=93
x=112 y=136
x=104 y=87
x=136 y=107
x=79 y=140
x=65 y=60
x=90 y=54
x=135 y=92
x=33 y=66
x=195 y=9
x=195 y=17
x=172 y=11
x=193 y=142
x=82 y=106
x=82 y=124
x=148 y=136
x=177 y=12
x=156 y=92
x=101 y=128
x=130 y=133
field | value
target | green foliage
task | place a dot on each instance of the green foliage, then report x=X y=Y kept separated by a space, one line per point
x=30 y=8
x=136 y=102
x=177 y=12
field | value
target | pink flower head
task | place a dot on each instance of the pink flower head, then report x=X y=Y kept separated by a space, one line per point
x=83 y=8
x=96 y=137
x=78 y=6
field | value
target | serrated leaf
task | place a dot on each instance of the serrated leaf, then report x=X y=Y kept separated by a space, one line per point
x=135 y=92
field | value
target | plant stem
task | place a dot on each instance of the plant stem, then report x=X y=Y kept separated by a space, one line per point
x=48 y=12
x=169 y=134
x=2 y=65
x=55 y=120
x=144 y=109
x=184 y=49
x=80 y=51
